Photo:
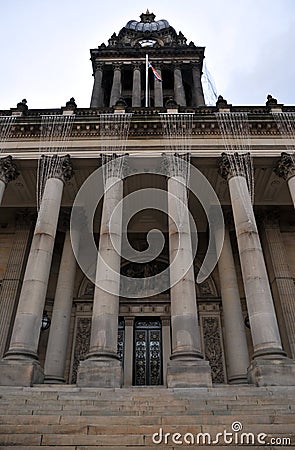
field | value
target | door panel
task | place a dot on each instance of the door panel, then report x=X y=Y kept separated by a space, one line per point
x=147 y=353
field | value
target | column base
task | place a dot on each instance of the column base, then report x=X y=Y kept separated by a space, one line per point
x=20 y=373
x=272 y=372
x=238 y=379
x=188 y=373
x=100 y=373
x=54 y=380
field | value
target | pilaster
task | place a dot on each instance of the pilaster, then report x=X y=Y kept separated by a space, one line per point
x=12 y=280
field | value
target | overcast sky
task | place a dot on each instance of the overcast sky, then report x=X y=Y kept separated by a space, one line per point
x=45 y=46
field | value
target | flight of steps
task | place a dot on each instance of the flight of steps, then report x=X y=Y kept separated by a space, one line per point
x=67 y=417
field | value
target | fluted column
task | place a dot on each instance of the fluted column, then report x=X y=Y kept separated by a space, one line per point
x=56 y=352
x=158 y=90
x=186 y=367
x=136 y=89
x=97 y=92
x=179 y=94
x=282 y=277
x=20 y=365
x=8 y=172
x=286 y=169
x=269 y=366
x=237 y=355
x=198 y=94
x=102 y=366
x=12 y=279
x=116 y=86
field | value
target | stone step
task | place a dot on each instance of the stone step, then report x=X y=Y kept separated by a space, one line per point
x=70 y=417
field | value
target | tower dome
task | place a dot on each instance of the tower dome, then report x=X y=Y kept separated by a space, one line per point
x=147 y=23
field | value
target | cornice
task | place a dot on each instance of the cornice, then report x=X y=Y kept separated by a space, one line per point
x=138 y=52
x=145 y=122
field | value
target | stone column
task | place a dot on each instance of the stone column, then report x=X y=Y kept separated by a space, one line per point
x=8 y=172
x=186 y=367
x=116 y=86
x=237 y=355
x=136 y=89
x=198 y=94
x=20 y=365
x=97 y=92
x=56 y=352
x=270 y=365
x=102 y=367
x=282 y=280
x=286 y=169
x=128 y=351
x=166 y=340
x=12 y=280
x=179 y=94
x=158 y=90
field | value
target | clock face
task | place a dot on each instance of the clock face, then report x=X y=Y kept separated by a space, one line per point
x=147 y=42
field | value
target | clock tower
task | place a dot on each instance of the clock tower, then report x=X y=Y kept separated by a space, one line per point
x=119 y=67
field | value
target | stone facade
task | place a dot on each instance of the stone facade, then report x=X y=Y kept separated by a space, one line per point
x=190 y=333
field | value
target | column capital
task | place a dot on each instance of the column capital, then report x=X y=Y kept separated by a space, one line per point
x=136 y=65
x=62 y=167
x=98 y=66
x=65 y=170
x=8 y=169
x=177 y=65
x=165 y=321
x=129 y=321
x=113 y=165
x=117 y=65
x=196 y=65
x=233 y=165
x=176 y=164
x=285 y=167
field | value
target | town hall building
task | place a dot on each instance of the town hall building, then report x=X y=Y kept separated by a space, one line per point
x=214 y=305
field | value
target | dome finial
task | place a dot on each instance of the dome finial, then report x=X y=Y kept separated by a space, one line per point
x=147 y=17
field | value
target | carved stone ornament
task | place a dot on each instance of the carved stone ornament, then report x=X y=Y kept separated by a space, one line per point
x=285 y=167
x=82 y=342
x=8 y=169
x=71 y=104
x=221 y=102
x=213 y=348
x=22 y=106
x=271 y=101
x=233 y=165
x=63 y=168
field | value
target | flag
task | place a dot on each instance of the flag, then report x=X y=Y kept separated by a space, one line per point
x=156 y=75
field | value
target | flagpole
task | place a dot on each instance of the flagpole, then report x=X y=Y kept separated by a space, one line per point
x=146 y=81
